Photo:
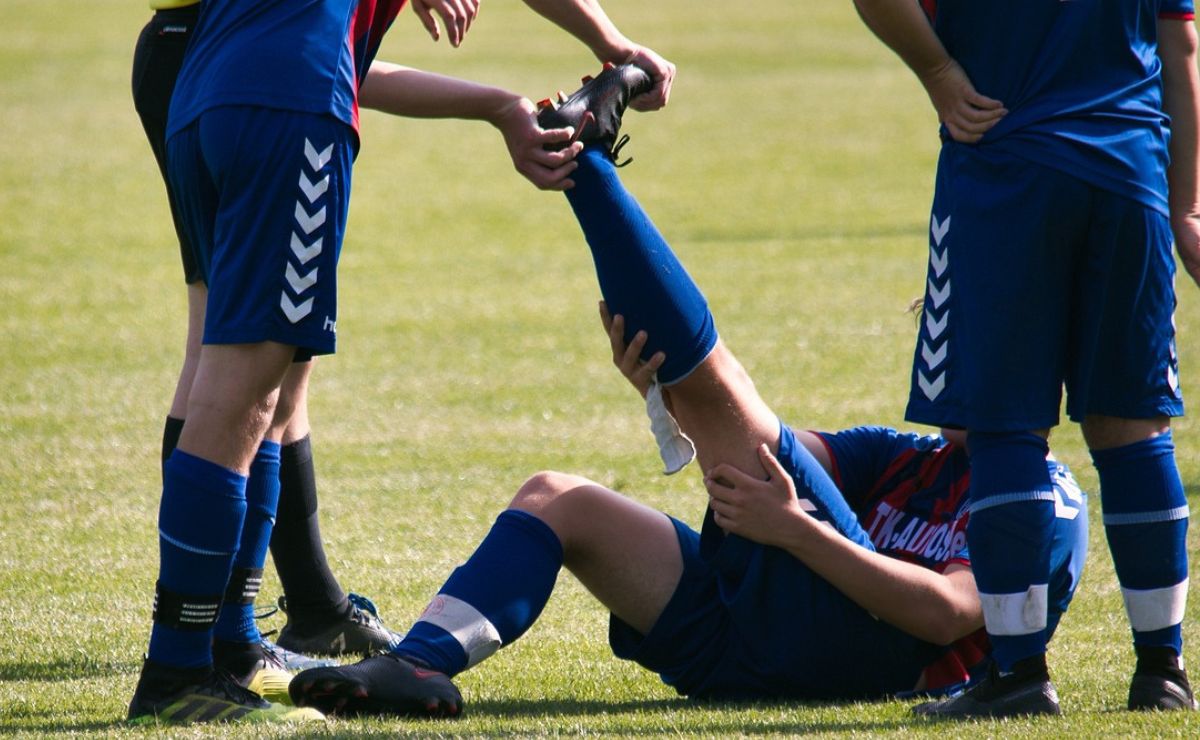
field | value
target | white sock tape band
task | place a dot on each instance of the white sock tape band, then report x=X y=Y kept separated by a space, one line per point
x=478 y=636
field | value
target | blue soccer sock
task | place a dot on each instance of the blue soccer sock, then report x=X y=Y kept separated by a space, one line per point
x=491 y=600
x=640 y=277
x=1009 y=535
x=199 y=524
x=816 y=489
x=236 y=622
x=1146 y=521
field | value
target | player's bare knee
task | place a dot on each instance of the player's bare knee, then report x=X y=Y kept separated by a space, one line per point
x=541 y=488
x=1109 y=432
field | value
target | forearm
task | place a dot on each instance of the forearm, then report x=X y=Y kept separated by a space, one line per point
x=926 y=604
x=1181 y=101
x=402 y=91
x=903 y=27
x=587 y=21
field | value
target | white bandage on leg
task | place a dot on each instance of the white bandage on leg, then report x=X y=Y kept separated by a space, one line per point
x=1020 y=613
x=478 y=636
x=674 y=446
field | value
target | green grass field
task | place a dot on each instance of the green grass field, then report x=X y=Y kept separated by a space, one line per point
x=792 y=172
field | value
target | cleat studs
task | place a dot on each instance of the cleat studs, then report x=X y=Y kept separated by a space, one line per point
x=562 y=96
x=545 y=103
x=608 y=66
x=586 y=79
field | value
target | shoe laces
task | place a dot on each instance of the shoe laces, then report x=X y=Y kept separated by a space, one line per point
x=271 y=656
x=616 y=151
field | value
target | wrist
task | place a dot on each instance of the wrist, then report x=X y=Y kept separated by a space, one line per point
x=505 y=106
x=614 y=48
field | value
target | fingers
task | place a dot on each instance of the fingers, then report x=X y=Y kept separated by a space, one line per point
x=456 y=15
x=605 y=317
x=616 y=338
x=771 y=464
x=662 y=73
x=427 y=19
x=548 y=170
x=724 y=477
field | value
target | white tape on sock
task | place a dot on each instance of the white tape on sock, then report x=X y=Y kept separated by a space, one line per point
x=1022 y=613
x=478 y=636
x=1156 y=608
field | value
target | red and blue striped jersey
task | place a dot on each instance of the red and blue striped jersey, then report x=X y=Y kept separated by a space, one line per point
x=299 y=55
x=1081 y=80
x=910 y=493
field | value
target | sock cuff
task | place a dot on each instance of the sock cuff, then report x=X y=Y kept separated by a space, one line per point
x=204 y=475
x=978 y=442
x=541 y=531
x=1163 y=444
x=298 y=452
x=172 y=428
x=203 y=505
x=268 y=452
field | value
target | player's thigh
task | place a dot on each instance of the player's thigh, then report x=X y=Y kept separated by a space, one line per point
x=992 y=345
x=1123 y=361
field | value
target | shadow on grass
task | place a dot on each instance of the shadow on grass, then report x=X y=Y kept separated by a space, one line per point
x=66 y=669
x=575 y=709
x=572 y=711
x=47 y=722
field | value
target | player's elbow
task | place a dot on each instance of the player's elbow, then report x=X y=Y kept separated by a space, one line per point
x=951 y=622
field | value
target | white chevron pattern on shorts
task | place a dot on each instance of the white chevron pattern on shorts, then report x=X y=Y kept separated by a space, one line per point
x=298 y=283
x=317 y=160
x=313 y=188
x=303 y=253
x=293 y=312
x=937 y=313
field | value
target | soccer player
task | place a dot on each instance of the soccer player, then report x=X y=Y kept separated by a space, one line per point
x=1068 y=163
x=261 y=135
x=829 y=566
x=321 y=617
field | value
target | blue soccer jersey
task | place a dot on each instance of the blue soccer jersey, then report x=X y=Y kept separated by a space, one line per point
x=306 y=56
x=1081 y=81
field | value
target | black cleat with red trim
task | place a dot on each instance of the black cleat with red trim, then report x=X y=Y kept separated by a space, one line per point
x=381 y=684
x=595 y=109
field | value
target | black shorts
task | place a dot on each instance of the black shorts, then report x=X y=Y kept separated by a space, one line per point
x=156 y=62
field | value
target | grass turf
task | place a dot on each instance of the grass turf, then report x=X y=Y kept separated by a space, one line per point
x=792 y=173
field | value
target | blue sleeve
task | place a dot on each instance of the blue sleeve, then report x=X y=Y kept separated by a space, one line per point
x=1182 y=9
x=862 y=456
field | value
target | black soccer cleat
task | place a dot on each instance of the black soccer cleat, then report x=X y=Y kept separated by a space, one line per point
x=1160 y=691
x=595 y=109
x=1017 y=695
x=379 y=685
x=360 y=631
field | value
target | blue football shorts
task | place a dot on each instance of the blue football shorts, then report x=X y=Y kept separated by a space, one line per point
x=264 y=195
x=1038 y=280
x=752 y=622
